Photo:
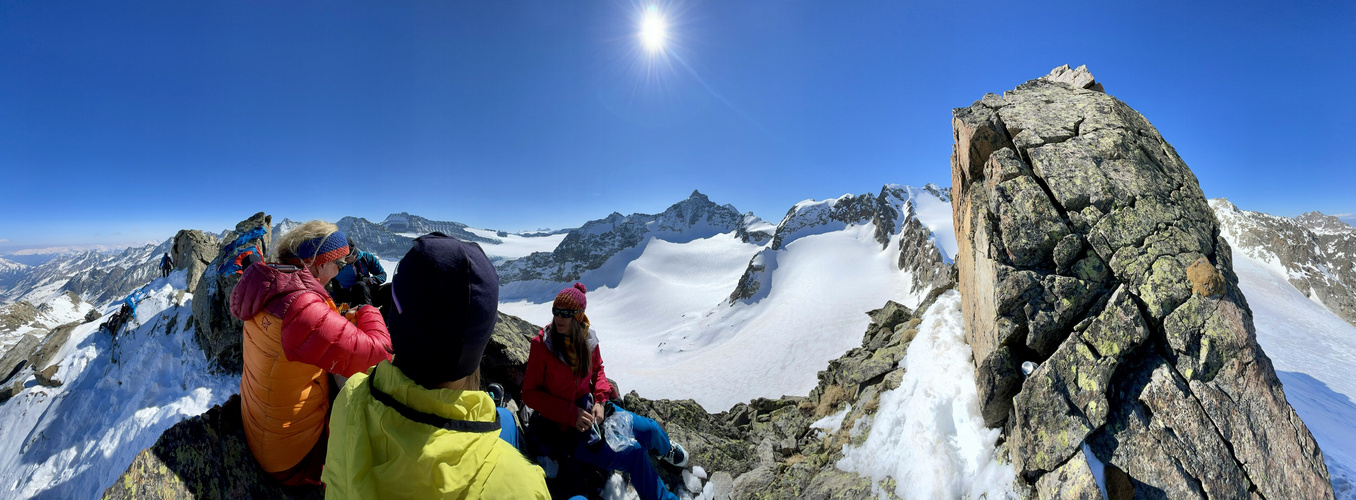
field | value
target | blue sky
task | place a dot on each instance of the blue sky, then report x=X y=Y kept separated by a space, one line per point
x=125 y=121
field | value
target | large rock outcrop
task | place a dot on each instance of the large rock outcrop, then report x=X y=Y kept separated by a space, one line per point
x=1087 y=247
x=193 y=251
x=218 y=333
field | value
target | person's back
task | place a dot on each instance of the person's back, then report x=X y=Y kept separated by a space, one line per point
x=419 y=426
x=375 y=459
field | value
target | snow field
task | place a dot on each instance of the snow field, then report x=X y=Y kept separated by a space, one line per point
x=928 y=434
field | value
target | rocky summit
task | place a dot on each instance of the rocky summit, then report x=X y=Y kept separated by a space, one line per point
x=1088 y=250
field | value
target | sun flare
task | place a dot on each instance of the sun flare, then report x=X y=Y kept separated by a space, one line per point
x=653 y=30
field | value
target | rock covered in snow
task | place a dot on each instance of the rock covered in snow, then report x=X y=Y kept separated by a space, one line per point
x=218 y=333
x=1317 y=252
x=1076 y=224
x=193 y=251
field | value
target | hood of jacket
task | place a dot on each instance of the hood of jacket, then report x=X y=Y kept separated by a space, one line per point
x=262 y=283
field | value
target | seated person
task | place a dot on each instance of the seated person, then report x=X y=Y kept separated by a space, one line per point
x=566 y=385
x=293 y=340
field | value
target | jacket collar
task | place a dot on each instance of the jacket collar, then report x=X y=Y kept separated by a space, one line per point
x=549 y=332
x=476 y=406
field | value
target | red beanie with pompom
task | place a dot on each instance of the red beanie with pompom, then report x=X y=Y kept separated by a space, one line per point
x=572 y=298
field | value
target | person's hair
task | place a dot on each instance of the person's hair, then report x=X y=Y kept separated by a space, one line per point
x=580 y=338
x=286 y=248
x=468 y=383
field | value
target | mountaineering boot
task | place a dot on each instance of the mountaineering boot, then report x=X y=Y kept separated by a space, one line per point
x=676 y=456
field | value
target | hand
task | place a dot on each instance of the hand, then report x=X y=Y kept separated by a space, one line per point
x=599 y=412
x=583 y=420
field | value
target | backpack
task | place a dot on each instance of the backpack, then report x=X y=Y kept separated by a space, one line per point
x=238 y=255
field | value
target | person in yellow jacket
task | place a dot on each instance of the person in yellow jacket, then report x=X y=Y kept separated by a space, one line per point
x=419 y=426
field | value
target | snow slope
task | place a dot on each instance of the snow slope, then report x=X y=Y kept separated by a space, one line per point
x=1314 y=353
x=74 y=440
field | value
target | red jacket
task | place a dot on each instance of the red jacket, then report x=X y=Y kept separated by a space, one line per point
x=551 y=388
x=292 y=337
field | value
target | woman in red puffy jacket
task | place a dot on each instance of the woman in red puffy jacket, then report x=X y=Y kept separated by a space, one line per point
x=293 y=340
x=566 y=385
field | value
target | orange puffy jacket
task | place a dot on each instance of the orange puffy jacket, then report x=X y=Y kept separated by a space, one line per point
x=293 y=337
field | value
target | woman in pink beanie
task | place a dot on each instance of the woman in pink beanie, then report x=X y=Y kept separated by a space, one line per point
x=566 y=385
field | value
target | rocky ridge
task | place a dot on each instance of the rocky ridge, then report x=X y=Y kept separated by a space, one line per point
x=589 y=246
x=1318 y=252
x=1087 y=248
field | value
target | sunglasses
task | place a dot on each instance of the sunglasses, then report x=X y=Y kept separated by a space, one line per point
x=565 y=313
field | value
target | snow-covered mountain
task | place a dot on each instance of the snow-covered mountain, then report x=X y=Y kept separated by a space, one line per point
x=661 y=286
x=392 y=237
x=96 y=276
x=592 y=245
x=10 y=274
x=1316 y=253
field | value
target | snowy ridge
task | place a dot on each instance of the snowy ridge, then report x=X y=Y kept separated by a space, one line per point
x=73 y=440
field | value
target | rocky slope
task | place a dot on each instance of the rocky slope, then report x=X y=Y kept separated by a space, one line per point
x=894 y=215
x=588 y=247
x=1087 y=248
x=1316 y=251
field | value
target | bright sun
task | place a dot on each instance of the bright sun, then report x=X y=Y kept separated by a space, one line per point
x=653 y=29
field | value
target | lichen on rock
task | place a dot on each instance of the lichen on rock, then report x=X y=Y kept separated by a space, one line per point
x=1087 y=247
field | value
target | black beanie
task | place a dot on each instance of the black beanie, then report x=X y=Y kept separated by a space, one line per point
x=446 y=299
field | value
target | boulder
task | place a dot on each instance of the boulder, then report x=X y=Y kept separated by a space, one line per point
x=505 y=358
x=56 y=339
x=47 y=376
x=193 y=251
x=1087 y=247
x=93 y=315
x=218 y=333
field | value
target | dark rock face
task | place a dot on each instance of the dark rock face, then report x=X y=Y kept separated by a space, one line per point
x=1086 y=246
x=588 y=247
x=1315 y=249
x=193 y=251
x=218 y=333
x=203 y=457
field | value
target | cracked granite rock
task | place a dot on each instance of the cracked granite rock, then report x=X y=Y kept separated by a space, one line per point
x=1087 y=247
